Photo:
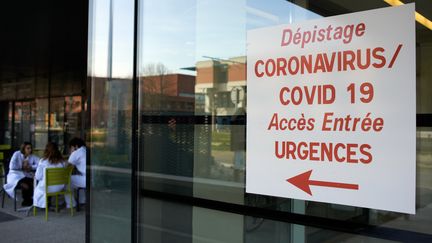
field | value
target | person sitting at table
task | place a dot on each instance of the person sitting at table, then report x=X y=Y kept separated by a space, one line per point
x=21 y=165
x=77 y=159
x=52 y=158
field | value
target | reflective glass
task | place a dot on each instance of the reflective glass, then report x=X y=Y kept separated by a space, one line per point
x=193 y=103
x=172 y=222
x=41 y=125
x=110 y=68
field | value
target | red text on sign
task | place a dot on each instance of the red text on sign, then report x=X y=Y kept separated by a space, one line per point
x=315 y=94
x=291 y=124
x=344 y=33
x=316 y=151
x=352 y=124
x=366 y=89
x=339 y=61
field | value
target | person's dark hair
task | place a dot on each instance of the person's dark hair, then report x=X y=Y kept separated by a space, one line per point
x=52 y=153
x=23 y=145
x=76 y=142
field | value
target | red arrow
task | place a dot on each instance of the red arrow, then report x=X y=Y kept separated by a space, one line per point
x=303 y=182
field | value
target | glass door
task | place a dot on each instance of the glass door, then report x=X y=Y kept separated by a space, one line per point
x=41 y=128
x=24 y=124
x=72 y=119
x=5 y=122
x=64 y=120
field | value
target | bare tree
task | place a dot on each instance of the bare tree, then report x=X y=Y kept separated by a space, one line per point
x=154 y=75
x=154 y=83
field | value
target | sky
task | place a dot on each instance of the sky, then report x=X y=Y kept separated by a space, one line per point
x=178 y=34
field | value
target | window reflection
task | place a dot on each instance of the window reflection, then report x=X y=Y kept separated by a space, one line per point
x=193 y=92
x=110 y=67
x=193 y=106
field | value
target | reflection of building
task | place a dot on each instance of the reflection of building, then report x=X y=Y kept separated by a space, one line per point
x=220 y=98
x=168 y=92
x=116 y=107
x=167 y=107
x=221 y=85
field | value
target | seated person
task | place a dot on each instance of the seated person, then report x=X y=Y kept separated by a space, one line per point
x=78 y=159
x=20 y=173
x=52 y=159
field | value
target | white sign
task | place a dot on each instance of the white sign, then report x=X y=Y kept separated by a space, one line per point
x=332 y=110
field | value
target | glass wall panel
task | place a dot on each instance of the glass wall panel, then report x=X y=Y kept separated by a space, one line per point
x=25 y=88
x=42 y=85
x=66 y=83
x=41 y=125
x=7 y=90
x=192 y=112
x=191 y=56
x=73 y=126
x=56 y=121
x=110 y=68
x=159 y=225
x=24 y=123
x=5 y=122
x=424 y=62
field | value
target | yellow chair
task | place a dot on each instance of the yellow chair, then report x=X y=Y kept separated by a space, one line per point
x=5 y=147
x=2 y=165
x=53 y=177
x=3 y=181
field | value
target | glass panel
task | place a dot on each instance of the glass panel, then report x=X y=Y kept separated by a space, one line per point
x=5 y=122
x=7 y=90
x=192 y=92
x=73 y=121
x=110 y=67
x=56 y=121
x=172 y=222
x=65 y=83
x=41 y=125
x=25 y=88
x=24 y=123
x=417 y=222
x=424 y=60
x=42 y=85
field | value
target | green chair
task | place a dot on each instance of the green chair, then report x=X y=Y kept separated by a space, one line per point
x=3 y=180
x=2 y=165
x=2 y=157
x=5 y=147
x=53 y=177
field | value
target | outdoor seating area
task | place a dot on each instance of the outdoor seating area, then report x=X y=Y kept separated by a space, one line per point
x=23 y=226
x=64 y=225
x=39 y=194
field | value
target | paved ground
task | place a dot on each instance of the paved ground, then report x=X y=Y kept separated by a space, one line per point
x=60 y=227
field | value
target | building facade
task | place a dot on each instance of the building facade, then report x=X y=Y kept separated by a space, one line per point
x=43 y=73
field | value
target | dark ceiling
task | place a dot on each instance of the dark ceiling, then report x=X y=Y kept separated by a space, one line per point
x=39 y=37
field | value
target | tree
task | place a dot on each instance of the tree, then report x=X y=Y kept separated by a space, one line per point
x=153 y=82
x=154 y=77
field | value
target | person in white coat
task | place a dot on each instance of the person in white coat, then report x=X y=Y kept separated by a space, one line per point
x=21 y=165
x=78 y=158
x=52 y=159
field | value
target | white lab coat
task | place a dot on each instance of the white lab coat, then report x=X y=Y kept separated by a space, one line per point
x=78 y=159
x=16 y=173
x=39 y=191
